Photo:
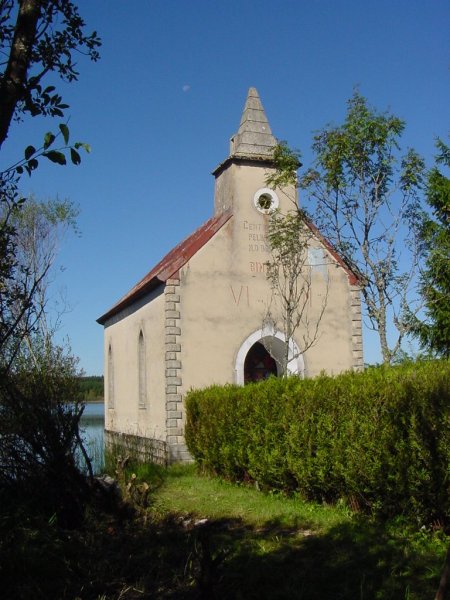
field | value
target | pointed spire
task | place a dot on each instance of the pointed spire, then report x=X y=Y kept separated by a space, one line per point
x=254 y=138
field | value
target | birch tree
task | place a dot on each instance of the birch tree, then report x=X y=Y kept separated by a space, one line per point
x=289 y=274
x=41 y=227
x=365 y=197
x=289 y=269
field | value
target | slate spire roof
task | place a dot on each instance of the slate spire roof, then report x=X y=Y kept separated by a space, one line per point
x=254 y=138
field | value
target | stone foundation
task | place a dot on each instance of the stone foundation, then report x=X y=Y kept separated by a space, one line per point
x=141 y=448
x=147 y=449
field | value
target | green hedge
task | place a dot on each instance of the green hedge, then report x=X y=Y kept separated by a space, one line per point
x=378 y=439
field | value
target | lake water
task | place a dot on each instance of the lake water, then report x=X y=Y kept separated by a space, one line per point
x=92 y=427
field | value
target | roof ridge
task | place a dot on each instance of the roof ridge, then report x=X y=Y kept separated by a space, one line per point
x=170 y=264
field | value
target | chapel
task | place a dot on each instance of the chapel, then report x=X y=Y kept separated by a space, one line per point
x=208 y=314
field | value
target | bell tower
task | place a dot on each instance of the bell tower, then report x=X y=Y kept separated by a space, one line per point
x=241 y=178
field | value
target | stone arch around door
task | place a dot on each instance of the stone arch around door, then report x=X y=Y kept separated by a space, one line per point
x=274 y=342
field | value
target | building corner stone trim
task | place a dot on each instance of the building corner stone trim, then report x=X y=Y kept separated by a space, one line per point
x=176 y=445
x=356 y=326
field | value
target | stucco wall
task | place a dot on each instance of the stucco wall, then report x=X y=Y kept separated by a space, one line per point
x=194 y=326
x=123 y=412
x=225 y=293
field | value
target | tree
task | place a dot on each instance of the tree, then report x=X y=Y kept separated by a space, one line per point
x=289 y=274
x=40 y=403
x=39 y=410
x=38 y=37
x=289 y=270
x=434 y=285
x=40 y=227
x=367 y=203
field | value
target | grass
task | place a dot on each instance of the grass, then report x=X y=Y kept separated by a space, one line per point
x=184 y=491
x=199 y=537
x=270 y=546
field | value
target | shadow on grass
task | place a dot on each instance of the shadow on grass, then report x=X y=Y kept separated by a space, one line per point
x=351 y=561
x=180 y=557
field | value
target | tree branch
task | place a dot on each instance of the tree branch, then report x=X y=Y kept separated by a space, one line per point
x=12 y=85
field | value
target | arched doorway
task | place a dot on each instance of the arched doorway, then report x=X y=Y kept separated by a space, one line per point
x=274 y=343
x=259 y=364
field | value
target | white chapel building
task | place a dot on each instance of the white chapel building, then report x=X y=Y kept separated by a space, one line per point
x=199 y=317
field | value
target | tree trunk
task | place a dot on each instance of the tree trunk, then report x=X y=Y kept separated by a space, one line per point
x=12 y=87
x=386 y=353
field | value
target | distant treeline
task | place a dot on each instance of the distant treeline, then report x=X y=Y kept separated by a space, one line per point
x=92 y=388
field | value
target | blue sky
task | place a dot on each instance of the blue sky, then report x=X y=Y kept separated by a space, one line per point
x=160 y=106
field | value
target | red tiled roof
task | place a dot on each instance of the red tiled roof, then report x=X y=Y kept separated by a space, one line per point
x=169 y=266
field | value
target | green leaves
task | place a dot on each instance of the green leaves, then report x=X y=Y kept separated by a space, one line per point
x=413 y=168
x=85 y=147
x=360 y=150
x=49 y=138
x=57 y=156
x=29 y=163
x=434 y=331
x=29 y=151
x=52 y=38
x=286 y=162
x=381 y=437
x=365 y=197
x=65 y=132
x=75 y=157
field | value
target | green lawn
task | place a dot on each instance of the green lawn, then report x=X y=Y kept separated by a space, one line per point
x=198 y=537
x=256 y=545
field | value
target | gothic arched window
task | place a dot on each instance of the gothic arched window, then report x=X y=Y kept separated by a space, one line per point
x=110 y=375
x=142 y=370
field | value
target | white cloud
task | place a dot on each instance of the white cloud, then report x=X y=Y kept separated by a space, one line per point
x=186 y=87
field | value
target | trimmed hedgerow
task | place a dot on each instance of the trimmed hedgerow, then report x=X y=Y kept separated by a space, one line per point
x=379 y=439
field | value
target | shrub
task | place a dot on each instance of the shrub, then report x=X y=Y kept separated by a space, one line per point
x=378 y=439
x=39 y=436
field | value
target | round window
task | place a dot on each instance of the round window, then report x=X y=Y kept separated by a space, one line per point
x=265 y=200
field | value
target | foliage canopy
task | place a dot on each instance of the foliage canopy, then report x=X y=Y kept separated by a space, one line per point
x=434 y=332
x=365 y=196
x=38 y=37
